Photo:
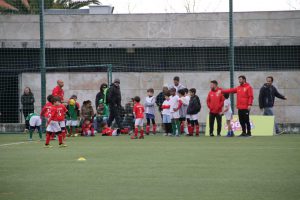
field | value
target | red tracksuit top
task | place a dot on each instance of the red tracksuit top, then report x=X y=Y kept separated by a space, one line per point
x=215 y=101
x=244 y=95
x=58 y=92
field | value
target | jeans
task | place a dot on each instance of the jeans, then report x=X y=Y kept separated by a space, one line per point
x=212 y=117
x=268 y=111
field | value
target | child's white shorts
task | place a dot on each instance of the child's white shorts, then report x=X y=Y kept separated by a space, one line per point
x=175 y=115
x=188 y=116
x=228 y=116
x=72 y=123
x=35 y=121
x=53 y=127
x=62 y=124
x=139 y=122
x=194 y=117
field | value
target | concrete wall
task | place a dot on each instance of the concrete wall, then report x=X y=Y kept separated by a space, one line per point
x=151 y=30
x=86 y=86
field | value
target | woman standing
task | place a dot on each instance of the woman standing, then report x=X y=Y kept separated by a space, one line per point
x=27 y=100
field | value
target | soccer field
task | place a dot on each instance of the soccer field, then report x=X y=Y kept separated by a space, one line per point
x=157 y=167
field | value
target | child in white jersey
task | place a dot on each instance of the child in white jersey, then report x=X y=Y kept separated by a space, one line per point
x=150 y=111
x=227 y=112
x=175 y=105
x=166 y=113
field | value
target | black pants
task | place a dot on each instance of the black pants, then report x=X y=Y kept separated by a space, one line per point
x=149 y=120
x=26 y=112
x=245 y=120
x=115 y=115
x=168 y=127
x=212 y=117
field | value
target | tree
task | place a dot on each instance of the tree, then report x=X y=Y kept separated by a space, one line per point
x=32 y=6
x=190 y=5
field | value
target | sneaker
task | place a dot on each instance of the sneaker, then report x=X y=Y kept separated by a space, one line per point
x=133 y=137
x=248 y=135
x=41 y=139
x=177 y=135
x=219 y=135
x=30 y=139
x=48 y=146
x=243 y=135
x=141 y=137
x=279 y=132
x=62 y=145
x=166 y=134
x=197 y=135
x=211 y=135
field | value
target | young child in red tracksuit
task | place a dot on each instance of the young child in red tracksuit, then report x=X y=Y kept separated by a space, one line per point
x=46 y=111
x=138 y=112
x=107 y=131
x=88 y=128
x=54 y=122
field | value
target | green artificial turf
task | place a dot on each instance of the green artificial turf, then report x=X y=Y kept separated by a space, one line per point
x=157 y=167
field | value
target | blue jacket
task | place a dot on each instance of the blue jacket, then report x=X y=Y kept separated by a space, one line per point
x=267 y=96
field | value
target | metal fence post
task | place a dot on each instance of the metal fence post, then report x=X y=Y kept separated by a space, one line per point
x=231 y=51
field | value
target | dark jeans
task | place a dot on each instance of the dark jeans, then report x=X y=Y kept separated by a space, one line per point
x=245 y=120
x=212 y=117
x=26 y=112
x=114 y=114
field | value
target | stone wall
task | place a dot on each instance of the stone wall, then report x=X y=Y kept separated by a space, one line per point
x=151 y=30
x=86 y=86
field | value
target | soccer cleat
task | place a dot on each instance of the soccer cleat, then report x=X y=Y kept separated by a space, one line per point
x=48 y=146
x=218 y=135
x=141 y=137
x=62 y=145
x=133 y=137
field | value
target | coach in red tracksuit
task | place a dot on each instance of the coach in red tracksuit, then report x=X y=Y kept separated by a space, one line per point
x=215 y=102
x=58 y=90
x=244 y=93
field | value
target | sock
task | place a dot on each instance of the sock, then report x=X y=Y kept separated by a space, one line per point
x=154 y=128
x=136 y=131
x=40 y=134
x=30 y=134
x=189 y=128
x=48 y=137
x=182 y=127
x=197 y=130
x=69 y=128
x=52 y=136
x=63 y=134
x=191 y=132
x=142 y=132
x=177 y=127
x=147 y=129
x=173 y=128
x=60 y=139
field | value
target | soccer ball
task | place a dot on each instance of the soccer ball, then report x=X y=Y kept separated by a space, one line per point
x=72 y=102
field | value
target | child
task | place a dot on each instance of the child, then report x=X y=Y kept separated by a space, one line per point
x=87 y=111
x=227 y=112
x=46 y=111
x=166 y=113
x=88 y=128
x=150 y=111
x=107 y=131
x=182 y=110
x=61 y=116
x=53 y=124
x=101 y=115
x=35 y=122
x=193 y=110
x=175 y=105
x=187 y=99
x=72 y=115
x=138 y=112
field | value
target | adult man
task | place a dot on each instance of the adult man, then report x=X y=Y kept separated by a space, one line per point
x=266 y=98
x=114 y=101
x=58 y=91
x=215 y=102
x=177 y=85
x=160 y=98
x=244 y=93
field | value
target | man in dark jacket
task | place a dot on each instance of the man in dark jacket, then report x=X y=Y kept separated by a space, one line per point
x=266 y=98
x=114 y=101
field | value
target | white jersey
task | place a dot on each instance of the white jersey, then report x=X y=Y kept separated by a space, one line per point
x=167 y=110
x=178 y=87
x=228 y=113
x=174 y=100
x=149 y=105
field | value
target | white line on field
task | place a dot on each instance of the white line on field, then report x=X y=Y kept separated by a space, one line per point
x=14 y=143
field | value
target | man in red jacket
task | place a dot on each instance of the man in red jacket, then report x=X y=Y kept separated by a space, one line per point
x=244 y=93
x=58 y=91
x=215 y=102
